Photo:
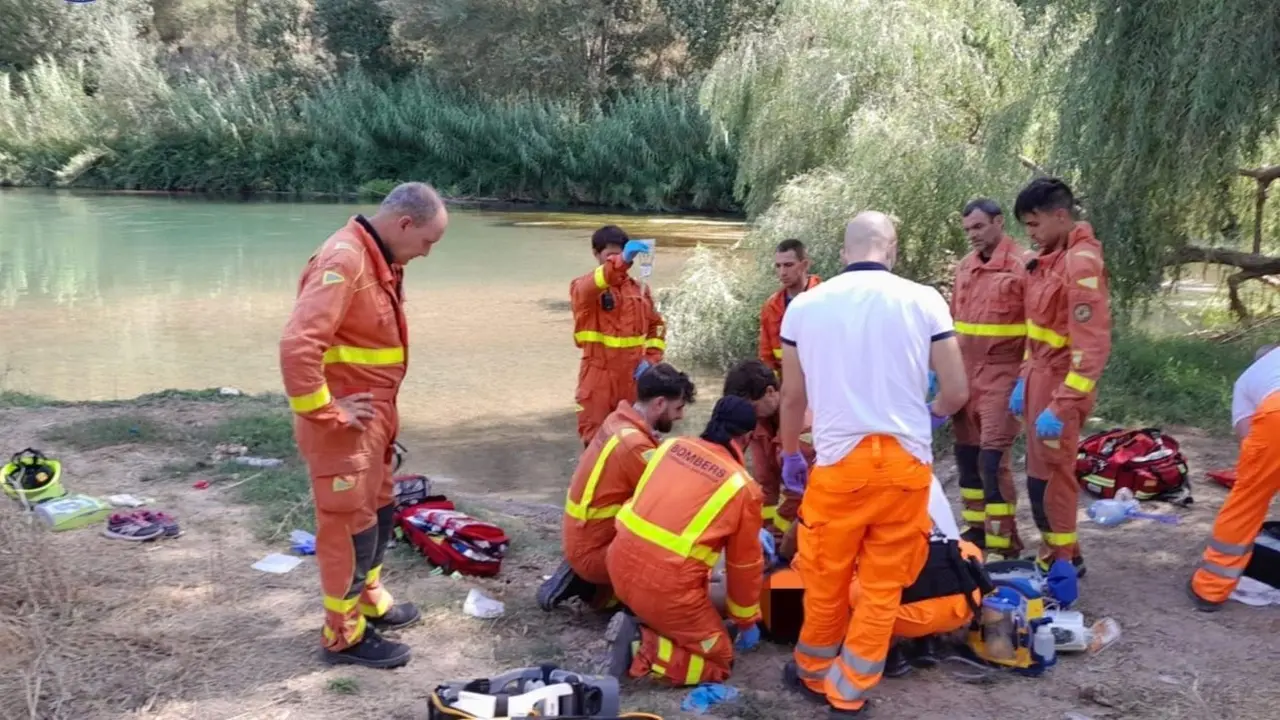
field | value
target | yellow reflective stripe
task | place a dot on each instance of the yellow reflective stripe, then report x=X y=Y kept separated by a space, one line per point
x=1059 y=539
x=991 y=329
x=806 y=437
x=1099 y=480
x=777 y=353
x=655 y=344
x=373 y=576
x=746 y=612
x=685 y=544
x=355 y=635
x=1045 y=335
x=582 y=509
x=1001 y=509
x=352 y=355
x=971 y=493
x=664 y=649
x=311 y=401
x=769 y=513
x=995 y=541
x=601 y=281
x=340 y=605
x=1076 y=381
x=694 y=675
x=610 y=341
x=781 y=523
x=974 y=516
x=381 y=605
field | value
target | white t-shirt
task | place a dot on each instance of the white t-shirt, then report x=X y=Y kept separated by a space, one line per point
x=1254 y=385
x=863 y=339
x=944 y=520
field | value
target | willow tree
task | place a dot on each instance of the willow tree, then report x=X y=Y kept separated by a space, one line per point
x=907 y=106
x=1165 y=121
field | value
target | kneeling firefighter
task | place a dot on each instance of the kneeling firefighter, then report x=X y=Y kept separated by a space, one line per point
x=694 y=501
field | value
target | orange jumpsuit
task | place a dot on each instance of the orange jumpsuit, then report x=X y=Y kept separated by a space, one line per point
x=990 y=314
x=935 y=615
x=771 y=325
x=869 y=512
x=693 y=502
x=1241 y=516
x=347 y=335
x=765 y=451
x=605 y=478
x=1069 y=340
x=617 y=326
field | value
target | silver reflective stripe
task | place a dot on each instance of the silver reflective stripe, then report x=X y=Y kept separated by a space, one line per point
x=844 y=688
x=816 y=675
x=860 y=665
x=1220 y=571
x=1229 y=549
x=825 y=652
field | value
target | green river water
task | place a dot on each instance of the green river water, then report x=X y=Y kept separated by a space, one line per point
x=110 y=296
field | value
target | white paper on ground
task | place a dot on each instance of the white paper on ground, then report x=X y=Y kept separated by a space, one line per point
x=1255 y=592
x=482 y=606
x=277 y=563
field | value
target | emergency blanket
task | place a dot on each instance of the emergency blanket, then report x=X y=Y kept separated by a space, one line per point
x=450 y=539
x=1146 y=461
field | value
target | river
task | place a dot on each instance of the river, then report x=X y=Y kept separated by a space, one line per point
x=111 y=296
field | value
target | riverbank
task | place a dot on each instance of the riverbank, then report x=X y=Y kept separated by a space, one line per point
x=186 y=629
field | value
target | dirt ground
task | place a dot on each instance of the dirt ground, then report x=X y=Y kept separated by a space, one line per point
x=96 y=628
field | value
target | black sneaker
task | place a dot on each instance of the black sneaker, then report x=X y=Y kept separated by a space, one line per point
x=623 y=630
x=561 y=586
x=372 y=652
x=401 y=615
x=1201 y=604
x=862 y=712
x=977 y=536
x=791 y=679
x=923 y=652
x=895 y=663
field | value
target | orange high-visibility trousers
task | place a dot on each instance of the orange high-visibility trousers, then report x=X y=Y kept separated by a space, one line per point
x=936 y=615
x=693 y=647
x=1241 y=516
x=1051 y=470
x=870 y=512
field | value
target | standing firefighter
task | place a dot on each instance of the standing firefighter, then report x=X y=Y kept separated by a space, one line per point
x=1068 y=341
x=987 y=302
x=1255 y=412
x=791 y=262
x=605 y=478
x=343 y=357
x=616 y=325
x=866 y=508
x=694 y=502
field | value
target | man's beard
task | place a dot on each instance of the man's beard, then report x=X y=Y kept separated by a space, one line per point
x=663 y=424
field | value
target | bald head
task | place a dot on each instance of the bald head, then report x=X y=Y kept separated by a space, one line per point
x=417 y=200
x=870 y=237
x=410 y=221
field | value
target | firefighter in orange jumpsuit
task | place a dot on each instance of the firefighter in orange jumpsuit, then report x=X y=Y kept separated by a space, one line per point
x=694 y=502
x=791 y=262
x=866 y=507
x=987 y=302
x=1255 y=413
x=343 y=356
x=616 y=325
x=606 y=478
x=754 y=381
x=1068 y=342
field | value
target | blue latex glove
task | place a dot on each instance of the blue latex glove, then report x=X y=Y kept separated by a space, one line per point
x=767 y=546
x=632 y=249
x=795 y=472
x=1048 y=426
x=1018 y=400
x=933 y=386
x=748 y=638
x=701 y=698
x=937 y=421
x=302 y=542
x=644 y=365
x=1063 y=583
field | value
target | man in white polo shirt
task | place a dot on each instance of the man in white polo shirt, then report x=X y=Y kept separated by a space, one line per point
x=857 y=350
x=1255 y=413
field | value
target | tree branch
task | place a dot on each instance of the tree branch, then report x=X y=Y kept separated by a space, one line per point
x=1267 y=174
x=1264 y=177
x=1251 y=266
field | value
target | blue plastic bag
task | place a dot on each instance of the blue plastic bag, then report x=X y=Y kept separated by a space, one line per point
x=702 y=698
x=302 y=542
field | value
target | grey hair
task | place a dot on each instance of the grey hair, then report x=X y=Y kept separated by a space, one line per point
x=418 y=200
x=986 y=205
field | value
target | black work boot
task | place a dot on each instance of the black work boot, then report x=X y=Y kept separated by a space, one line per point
x=623 y=630
x=791 y=679
x=1207 y=606
x=401 y=615
x=563 y=585
x=977 y=536
x=895 y=663
x=373 y=651
x=923 y=652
